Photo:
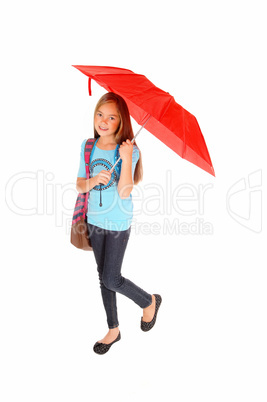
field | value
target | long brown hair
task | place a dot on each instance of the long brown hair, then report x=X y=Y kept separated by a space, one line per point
x=124 y=130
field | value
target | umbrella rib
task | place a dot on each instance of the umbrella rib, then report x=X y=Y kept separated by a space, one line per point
x=183 y=136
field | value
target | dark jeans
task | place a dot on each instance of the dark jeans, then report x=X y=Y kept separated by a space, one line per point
x=109 y=247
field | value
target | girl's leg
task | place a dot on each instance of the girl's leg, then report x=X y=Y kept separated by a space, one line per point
x=98 y=240
x=115 y=246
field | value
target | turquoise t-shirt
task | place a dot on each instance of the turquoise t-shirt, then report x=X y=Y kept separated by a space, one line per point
x=115 y=213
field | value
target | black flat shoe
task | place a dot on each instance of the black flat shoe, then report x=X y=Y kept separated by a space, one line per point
x=102 y=348
x=147 y=326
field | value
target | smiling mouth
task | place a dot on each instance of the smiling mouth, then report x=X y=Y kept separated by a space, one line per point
x=103 y=128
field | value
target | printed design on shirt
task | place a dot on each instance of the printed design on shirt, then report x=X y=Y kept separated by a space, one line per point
x=102 y=164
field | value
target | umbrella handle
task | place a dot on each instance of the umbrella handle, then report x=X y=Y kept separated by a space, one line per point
x=113 y=167
x=100 y=203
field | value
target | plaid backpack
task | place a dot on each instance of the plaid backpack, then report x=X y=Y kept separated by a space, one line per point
x=79 y=231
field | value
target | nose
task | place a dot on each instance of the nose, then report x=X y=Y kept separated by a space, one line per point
x=104 y=120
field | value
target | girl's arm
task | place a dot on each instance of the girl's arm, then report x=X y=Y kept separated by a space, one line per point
x=84 y=185
x=125 y=184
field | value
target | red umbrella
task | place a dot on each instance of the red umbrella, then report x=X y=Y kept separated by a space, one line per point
x=157 y=110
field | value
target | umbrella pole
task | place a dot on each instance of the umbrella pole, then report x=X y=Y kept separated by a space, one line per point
x=138 y=132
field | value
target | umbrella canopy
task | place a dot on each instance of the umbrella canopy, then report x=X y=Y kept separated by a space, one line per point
x=162 y=116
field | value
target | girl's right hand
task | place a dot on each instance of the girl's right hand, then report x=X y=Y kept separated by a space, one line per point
x=102 y=177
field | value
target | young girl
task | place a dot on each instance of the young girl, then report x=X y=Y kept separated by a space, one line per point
x=110 y=211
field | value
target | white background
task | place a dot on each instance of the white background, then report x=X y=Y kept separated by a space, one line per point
x=209 y=343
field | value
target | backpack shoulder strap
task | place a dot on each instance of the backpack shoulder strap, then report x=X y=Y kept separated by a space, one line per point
x=87 y=152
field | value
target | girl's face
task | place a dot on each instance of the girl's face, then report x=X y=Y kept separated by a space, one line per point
x=107 y=120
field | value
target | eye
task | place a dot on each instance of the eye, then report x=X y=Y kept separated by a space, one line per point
x=99 y=114
x=112 y=118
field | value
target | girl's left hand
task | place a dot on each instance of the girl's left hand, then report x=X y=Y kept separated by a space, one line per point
x=126 y=150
